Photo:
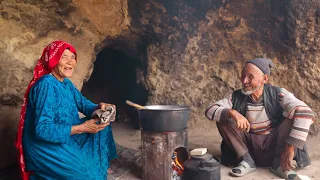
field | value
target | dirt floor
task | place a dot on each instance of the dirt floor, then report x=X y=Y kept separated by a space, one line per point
x=130 y=138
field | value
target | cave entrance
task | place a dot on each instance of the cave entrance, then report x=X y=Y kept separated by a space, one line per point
x=114 y=80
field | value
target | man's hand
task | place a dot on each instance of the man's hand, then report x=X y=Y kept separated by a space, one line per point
x=91 y=126
x=287 y=157
x=242 y=122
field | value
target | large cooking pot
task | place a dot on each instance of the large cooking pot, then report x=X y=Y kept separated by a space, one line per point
x=164 y=118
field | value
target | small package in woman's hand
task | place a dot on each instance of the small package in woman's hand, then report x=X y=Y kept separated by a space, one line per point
x=105 y=115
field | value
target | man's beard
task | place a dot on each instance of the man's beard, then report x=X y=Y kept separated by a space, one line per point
x=247 y=93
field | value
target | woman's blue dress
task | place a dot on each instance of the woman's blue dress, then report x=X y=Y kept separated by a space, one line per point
x=49 y=149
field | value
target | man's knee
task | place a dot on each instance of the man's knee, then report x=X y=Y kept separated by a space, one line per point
x=223 y=127
x=222 y=124
x=286 y=126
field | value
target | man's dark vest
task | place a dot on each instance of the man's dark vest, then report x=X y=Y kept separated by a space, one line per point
x=270 y=99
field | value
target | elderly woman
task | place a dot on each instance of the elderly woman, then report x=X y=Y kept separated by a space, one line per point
x=53 y=142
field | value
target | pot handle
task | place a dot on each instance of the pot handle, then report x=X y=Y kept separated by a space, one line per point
x=135 y=105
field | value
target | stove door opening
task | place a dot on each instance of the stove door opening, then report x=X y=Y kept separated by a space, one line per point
x=179 y=156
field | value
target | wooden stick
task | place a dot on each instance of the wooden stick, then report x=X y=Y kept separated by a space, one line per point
x=135 y=105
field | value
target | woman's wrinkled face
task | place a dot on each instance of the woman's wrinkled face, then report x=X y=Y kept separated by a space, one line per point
x=252 y=79
x=66 y=65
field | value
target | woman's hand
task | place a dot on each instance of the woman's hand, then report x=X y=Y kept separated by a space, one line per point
x=89 y=126
x=103 y=105
x=242 y=122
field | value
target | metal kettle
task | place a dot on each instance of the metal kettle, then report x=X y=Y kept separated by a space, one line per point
x=205 y=167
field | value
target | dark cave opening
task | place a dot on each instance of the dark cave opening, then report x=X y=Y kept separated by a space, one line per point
x=114 y=80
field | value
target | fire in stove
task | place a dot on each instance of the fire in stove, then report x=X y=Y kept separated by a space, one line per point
x=179 y=156
x=177 y=168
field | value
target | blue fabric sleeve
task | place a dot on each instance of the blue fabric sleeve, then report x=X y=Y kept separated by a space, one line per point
x=84 y=105
x=45 y=102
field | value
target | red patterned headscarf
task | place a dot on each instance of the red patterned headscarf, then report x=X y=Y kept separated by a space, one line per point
x=49 y=59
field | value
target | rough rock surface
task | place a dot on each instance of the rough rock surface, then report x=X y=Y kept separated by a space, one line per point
x=190 y=52
x=200 y=57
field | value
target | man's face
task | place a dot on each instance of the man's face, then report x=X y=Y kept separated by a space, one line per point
x=252 y=79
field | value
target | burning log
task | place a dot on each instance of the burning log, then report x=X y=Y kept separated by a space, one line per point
x=177 y=168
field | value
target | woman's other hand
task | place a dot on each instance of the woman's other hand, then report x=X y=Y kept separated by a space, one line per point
x=91 y=126
x=103 y=105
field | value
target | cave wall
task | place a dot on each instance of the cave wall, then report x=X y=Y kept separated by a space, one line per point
x=201 y=48
x=192 y=51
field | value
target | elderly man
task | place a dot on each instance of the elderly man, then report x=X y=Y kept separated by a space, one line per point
x=261 y=124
